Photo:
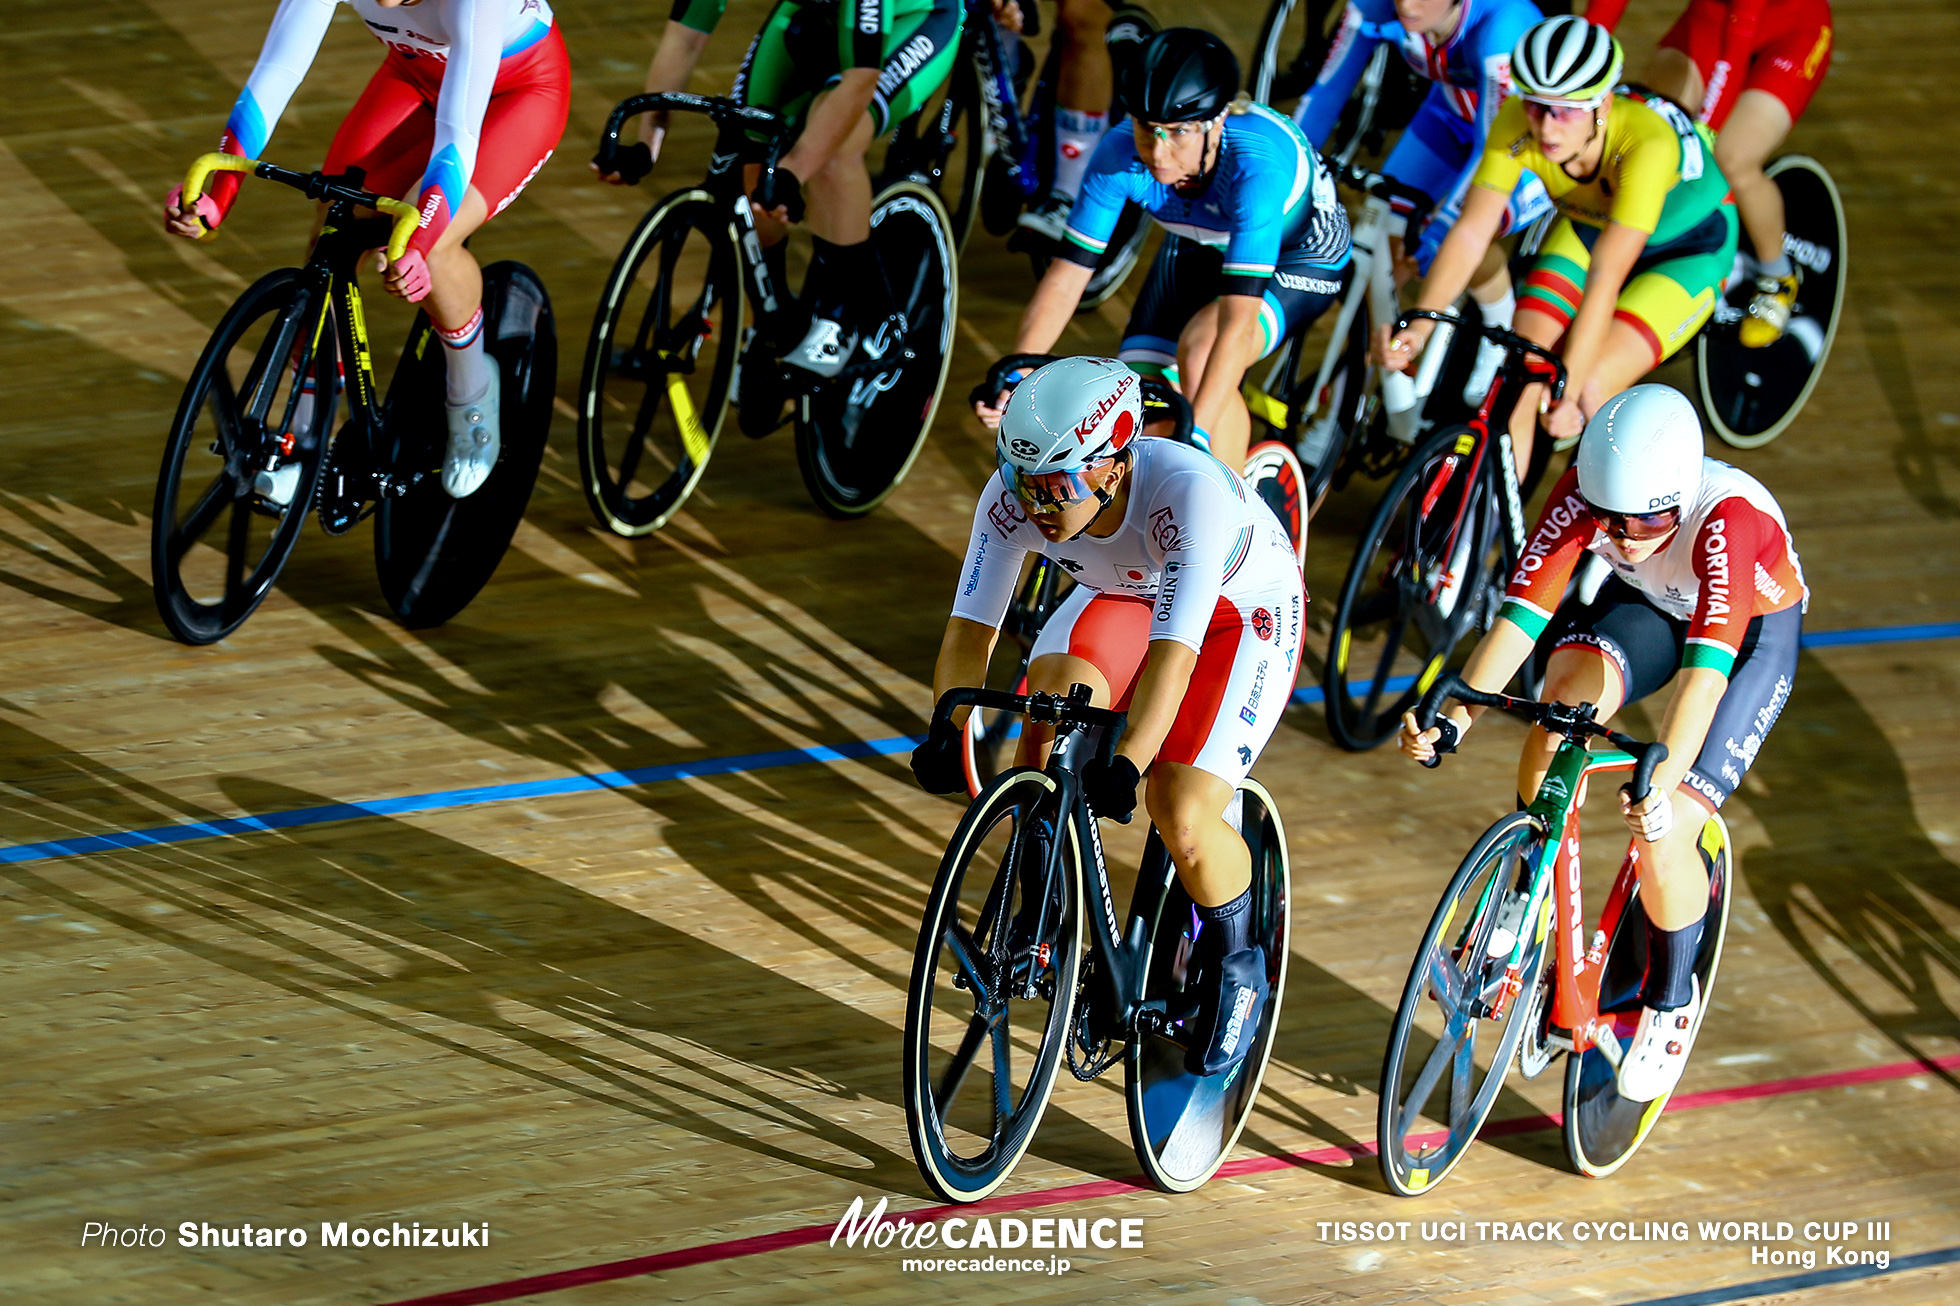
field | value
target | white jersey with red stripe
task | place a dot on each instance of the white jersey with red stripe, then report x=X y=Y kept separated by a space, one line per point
x=1192 y=533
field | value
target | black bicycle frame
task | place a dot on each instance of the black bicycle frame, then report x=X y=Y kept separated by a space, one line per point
x=1120 y=977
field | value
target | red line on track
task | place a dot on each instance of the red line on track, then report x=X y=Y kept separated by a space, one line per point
x=736 y=1248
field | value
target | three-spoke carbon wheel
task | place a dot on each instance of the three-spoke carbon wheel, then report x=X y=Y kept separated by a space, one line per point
x=858 y=432
x=992 y=991
x=1448 y=1054
x=659 y=364
x=235 y=418
x=1420 y=581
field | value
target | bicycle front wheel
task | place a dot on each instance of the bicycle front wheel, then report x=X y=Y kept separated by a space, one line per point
x=992 y=991
x=1417 y=584
x=659 y=364
x=1459 y=1020
x=238 y=412
x=857 y=433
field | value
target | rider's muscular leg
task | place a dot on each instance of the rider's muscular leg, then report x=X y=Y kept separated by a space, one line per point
x=1673 y=882
x=455 y=301
x=1187 y=806
x=1056 y=673
x=1540 y=329
x=1230 y=428
x=1082 y=89
x=1673 y=74
x=1577 y=673
x=1756 y=127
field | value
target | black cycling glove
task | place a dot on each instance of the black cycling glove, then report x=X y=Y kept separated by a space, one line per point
x=1111 y=787
x=939 y=764
x=632 y=162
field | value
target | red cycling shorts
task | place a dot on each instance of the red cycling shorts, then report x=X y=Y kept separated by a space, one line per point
x=391 y=129
x=1238 y=691
x=1787 y=54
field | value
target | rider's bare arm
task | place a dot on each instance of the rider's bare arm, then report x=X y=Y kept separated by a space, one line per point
x=672 y=64
x=1495 y=660
x=1158 y=695
x=963 y=655
x=1455 y=265
x=1047 y=314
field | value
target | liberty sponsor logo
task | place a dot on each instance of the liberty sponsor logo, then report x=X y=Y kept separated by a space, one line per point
x=1715 y=553
x=1164 y=530
x=1167 y=592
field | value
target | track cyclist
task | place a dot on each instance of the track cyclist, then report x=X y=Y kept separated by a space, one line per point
x=1257 y=243
x=1646 y=235
x=1186 y=612
x=1705 y=580
x=1084 y=81
x=1464 y=47
x=1747 y=68
x=846 y=72
x=466 y=107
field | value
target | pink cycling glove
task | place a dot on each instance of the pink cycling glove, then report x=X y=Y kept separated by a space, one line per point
x=205 y=208
x=412 y=275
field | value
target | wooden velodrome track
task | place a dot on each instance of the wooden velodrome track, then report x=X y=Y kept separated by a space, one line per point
x=661 y=1019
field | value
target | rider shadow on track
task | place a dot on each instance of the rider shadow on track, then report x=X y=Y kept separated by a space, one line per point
x=480 y=958
x=1850 y=878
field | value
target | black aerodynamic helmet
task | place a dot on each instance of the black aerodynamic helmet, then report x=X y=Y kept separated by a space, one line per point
x=1183 y=74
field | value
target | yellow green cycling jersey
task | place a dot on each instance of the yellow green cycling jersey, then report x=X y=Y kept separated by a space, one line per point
x=1658 y=172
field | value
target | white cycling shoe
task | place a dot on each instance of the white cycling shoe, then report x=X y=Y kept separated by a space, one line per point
x=1048 y=219
x=824 y=348
x=1654 y=1061
x=473 y=441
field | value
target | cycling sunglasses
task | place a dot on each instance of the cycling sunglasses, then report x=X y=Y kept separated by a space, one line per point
x=1044 y=493
x=1559 y=112
x=1636 y=526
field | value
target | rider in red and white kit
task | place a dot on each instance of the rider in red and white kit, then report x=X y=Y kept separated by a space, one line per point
x=466 y=107
x=1186 y=613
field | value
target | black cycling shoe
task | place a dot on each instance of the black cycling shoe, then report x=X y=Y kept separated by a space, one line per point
x=759 y=388
x=1228 y=1015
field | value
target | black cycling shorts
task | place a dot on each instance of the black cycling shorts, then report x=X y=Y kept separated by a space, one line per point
x=1185 y=276
x=1646 y=646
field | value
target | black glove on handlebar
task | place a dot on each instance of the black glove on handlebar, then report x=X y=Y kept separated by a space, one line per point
x=1447 y=736
x=1111 y=787
x=939 y=764
x=780 y=189
x=632 y=162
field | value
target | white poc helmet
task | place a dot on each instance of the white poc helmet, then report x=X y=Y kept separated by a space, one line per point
x=1069 y=414
x=1641 y=452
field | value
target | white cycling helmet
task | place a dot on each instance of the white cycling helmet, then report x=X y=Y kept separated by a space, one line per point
x=1065 y=417
x=1566 y=60
x=1641 y=453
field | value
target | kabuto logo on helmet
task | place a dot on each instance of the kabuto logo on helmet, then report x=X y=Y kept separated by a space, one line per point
x=1024 y=448
x=1089 y=425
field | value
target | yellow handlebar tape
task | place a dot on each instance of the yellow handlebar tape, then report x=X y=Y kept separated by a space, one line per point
x=405 y=215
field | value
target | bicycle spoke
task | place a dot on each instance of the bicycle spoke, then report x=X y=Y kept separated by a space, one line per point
x=216 y=495
x=1390 y=647
x=240 y=536
x=1003 y=1070
x=1446 y=982
x=951 y=1082
x=1462 y=1067
x=1440 y=1057
x=962 y=945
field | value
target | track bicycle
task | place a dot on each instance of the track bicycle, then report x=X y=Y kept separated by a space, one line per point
x=992 y=737
x=233 y=450
x=1004 y=987
x=1751 y=395
x=1504 y=971
x=1432 y=564
x=1347 y=415
x=668 y=334
x=988 y=158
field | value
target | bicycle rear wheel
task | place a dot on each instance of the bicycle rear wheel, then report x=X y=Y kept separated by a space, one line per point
x=242 y=397
x=1603 y=1129
x=433 y=553
x=1418 y=583
x=857 y=434
x=1440 y=1067
x=1751 y=395
x=1293 y=41
x=659 y=363
x=1183 y=1126
x=989 y=1004
x=1340 y=407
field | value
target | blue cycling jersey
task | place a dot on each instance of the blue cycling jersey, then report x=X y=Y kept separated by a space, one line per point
x=1472 y=68
x=1267 y=194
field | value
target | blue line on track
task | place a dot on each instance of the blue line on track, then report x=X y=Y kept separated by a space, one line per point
x=646 y=775
x=1812 y=639
x=1801 y=1282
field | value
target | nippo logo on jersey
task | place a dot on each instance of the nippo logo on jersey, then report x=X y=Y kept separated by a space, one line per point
x=1262 y=623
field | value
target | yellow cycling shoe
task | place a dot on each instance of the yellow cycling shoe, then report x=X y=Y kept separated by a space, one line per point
x=1769 y=311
